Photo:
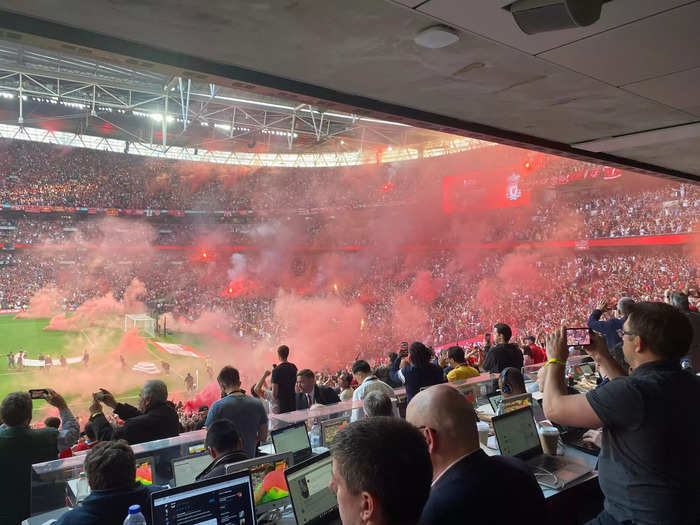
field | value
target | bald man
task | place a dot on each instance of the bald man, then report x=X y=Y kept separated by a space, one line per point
x=467 y=484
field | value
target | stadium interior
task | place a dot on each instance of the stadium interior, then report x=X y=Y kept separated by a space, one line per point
x=188 y=188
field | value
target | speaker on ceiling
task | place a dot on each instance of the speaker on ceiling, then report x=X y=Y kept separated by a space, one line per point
x=539 y=16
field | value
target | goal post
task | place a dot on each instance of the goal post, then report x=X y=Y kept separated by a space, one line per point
x=143 y=322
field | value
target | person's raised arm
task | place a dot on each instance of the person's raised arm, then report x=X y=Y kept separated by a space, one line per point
x=598 y=350
x=123 y=410
x=259 y=387
x=394 y=372
x=70 y=430
x=594 y=322
x=559 y=407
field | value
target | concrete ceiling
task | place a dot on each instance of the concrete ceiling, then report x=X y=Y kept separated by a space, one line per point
x=634 y=71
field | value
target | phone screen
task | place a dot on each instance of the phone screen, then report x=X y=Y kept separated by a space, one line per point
x=578 y=337
x=38 y=393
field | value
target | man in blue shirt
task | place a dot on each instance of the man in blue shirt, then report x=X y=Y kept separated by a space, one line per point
x=245 y=412
x=610 y=327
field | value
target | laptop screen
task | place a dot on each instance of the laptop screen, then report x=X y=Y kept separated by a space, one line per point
x=495 y=400
x=188 y=468
x=308 y=483
x=144 y=470
x=269 y=484
x=515 y=402
x=331 y=427
x=226 y=500
x=291 y=439
x=516 y=433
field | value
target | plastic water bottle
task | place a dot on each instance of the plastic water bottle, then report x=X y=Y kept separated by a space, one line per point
x=135 y=517
x=315 y=435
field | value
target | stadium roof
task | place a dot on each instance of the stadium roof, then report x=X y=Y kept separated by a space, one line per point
x=95 y=98
x=597 y=92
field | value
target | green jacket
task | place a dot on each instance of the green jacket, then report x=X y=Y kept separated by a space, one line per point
x=20 y=447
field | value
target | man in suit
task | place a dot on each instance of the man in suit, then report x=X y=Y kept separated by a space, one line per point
x=309 y=393
x=466 y=480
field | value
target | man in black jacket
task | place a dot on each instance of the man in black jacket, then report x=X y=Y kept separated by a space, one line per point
x=309 y=393
x=224 y=446
x=504 y=354
x=466 y=481
x=155 y=418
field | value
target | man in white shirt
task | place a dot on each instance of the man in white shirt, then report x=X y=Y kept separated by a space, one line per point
x=367 y=382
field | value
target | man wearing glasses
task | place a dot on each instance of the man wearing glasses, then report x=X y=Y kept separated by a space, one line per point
x=649 y=463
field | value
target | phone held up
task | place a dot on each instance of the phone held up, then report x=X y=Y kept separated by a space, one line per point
x=578 y=337
x=38 y=393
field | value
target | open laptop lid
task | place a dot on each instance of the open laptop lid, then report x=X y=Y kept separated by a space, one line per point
x=516 y=434
x=293 y=438
x=187 y=468
x=494 y=399
x=270 y=489
x=313 y=501
x=213 y=500
x=330 y=427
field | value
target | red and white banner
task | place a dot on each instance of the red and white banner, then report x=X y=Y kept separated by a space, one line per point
x=175 y=349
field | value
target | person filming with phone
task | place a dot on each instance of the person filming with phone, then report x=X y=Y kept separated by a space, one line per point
x=22 y=446
x=649 y=463
x=155 y=418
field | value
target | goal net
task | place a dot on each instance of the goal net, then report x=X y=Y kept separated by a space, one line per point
x=143 y=322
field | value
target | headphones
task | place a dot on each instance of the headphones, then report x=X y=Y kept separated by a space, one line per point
x=505 y=387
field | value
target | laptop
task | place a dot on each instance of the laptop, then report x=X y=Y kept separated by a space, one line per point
x=330 y=427
x=517 y=436
x=313 y=502
x=494 y=400
x=226 y=499
x=187 y=468
x=269 y=484
x=293 y=439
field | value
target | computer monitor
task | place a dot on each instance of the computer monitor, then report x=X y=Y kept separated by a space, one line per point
x=145 y=470
x=187 y=468
x=313 y=502
x=508 y=404
x=516 y=434
x=330 y=427
x=293 y=439
x=494 y=400
x=269 y=484
x=470 y=392
x=222 y=500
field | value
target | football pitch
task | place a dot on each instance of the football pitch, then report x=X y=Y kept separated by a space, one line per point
x=103 y=346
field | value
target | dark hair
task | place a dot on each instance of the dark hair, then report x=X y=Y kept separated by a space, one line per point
x=419 y=354
x=378 y=455
x=229 y=376
x=504 y=330
x=531 y=338
x=680 y=301
x=222 y=436
x=345 y=376
x=664 y=329
x=456 y=353
x=16 y=409
x=376 y=403
x=305 y=372
x=90 y=431
x=283 y=352
x=513 y=377
x=52 y=422
x=110 y=465
x=361 y=366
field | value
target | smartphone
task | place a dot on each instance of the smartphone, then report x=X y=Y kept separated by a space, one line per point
x=38 y=393
x=578 y=337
